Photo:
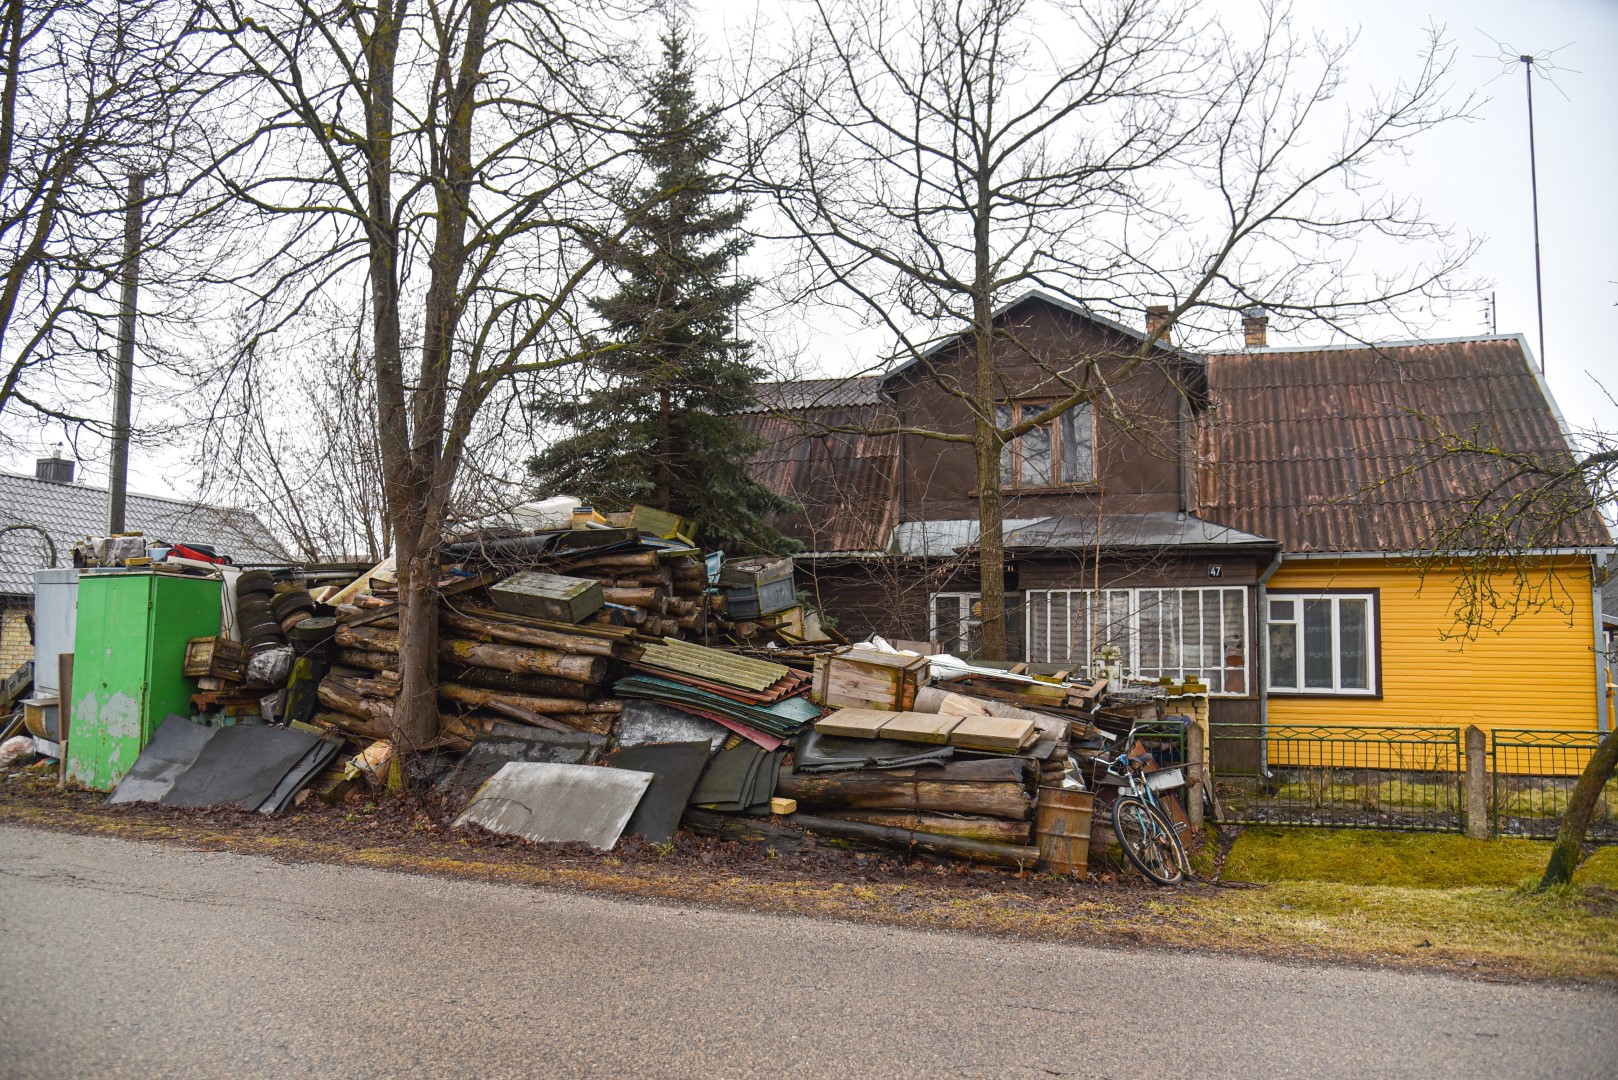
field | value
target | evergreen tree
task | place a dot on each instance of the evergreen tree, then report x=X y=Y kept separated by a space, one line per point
x=657 y=424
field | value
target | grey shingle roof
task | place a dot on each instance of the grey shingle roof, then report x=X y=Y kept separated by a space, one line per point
x=71 y=512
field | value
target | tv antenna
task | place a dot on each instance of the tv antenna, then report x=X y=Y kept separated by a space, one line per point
x=1542 y=65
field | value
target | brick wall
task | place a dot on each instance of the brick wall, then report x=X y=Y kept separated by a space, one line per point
x=16 y=636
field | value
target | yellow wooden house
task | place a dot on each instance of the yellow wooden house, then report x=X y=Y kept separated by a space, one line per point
x=1331 y=452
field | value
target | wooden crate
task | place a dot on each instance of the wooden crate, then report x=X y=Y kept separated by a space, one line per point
x=215 y=657
x=548 y=596
x=867 y=679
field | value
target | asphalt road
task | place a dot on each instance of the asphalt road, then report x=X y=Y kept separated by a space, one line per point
x=127 y=959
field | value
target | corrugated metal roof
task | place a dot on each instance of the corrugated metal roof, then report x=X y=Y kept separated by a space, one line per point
x=845 y=480
x=817 y=394
x=947 y=536
x=71 y=512
x=1157 y=530
x=1329 y=449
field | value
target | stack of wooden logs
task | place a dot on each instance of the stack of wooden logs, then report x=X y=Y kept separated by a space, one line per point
x=659 y=596
x=498 y=668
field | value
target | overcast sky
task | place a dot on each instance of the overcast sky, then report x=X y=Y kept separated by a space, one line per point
x=1472 y=176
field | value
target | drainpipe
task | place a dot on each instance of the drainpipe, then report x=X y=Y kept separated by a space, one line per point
x=1261 y=663
x=1598 y=573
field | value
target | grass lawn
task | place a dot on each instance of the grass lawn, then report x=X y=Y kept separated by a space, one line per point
x=1458 y=901
x=1367 y=857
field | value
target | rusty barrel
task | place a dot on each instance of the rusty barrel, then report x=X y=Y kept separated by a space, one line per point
x=1062 y=830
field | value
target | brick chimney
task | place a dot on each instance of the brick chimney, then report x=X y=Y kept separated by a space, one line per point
x=1256 y=327
x=53 y=469
x=1157 y=315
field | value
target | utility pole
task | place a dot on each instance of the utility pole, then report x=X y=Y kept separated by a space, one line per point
x=124 y=385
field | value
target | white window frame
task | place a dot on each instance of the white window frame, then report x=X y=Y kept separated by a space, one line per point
x=1041 y=602
x=964 y=626
x=1373 y=643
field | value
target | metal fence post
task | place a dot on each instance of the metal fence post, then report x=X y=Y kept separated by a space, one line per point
x=1476 y=784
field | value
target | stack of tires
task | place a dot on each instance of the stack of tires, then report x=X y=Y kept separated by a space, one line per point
x=255 y=614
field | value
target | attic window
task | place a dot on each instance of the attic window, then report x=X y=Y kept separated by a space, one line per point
x=1055 y=454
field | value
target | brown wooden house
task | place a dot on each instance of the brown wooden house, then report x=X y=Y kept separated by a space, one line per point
x=1104 y=543
x=1256 y=519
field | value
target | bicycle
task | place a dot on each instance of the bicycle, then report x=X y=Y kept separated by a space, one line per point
x=1144 y=830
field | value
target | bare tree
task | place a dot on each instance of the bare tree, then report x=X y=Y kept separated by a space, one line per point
x=932 y=163
x=92 y=93
x=449 y=161
x=1515 y=503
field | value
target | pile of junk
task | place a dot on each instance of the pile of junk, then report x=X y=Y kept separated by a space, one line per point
x=595 y=680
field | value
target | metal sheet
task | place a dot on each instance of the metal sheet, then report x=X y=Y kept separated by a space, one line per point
x=644 y=722
x=311 y=765
x=240 y=766
x=727 y=782
x=174 y=748
x=561 y=803
x=674 y=768
x=56 y=598
x=488 y=753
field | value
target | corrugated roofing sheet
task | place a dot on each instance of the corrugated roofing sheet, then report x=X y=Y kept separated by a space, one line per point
x=844 y=478
x=1330 y=450
x=818 y=394
x=1156 y=530
x=71 y=512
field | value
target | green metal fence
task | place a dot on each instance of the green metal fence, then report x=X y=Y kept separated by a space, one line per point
x=1340 y=775
x=1533 y=773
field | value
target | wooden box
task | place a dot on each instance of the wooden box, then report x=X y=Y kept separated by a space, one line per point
x=215 y=657
x=867 y=679
x=548 y=596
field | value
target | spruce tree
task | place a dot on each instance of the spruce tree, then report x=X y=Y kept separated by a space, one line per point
x=657 y=424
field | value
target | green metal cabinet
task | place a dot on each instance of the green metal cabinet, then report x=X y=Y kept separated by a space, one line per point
x=128 y=655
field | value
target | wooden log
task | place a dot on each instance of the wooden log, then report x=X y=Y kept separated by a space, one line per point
x=477 y=697
x=525 y=660
x=748 y=830
x=362 y=658
x=994 y=830
x=521 y=659
x=485 y=629
x=879 y=790
x=537 y=685
x=631 y=560
x=356 y=725
x=954 y=847
x=649 y=598
x=341 y=695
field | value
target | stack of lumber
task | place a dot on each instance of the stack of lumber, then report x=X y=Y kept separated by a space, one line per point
x=499 y=667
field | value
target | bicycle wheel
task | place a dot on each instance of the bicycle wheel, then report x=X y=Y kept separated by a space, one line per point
x=1148 y=840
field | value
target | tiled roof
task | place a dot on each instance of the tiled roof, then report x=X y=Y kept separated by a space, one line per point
x=853 y=392
x=71 y=512
x=1329 y=450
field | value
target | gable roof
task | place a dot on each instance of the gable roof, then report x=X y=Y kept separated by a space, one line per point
x=71 y=512
x=1328 y=449
x=1061 y=303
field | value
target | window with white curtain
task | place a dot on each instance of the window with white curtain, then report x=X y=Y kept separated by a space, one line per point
x=1322 y=643
x=1178 y=633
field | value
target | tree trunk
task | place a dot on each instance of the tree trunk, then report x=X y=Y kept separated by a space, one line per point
x=415 y=716
x=1580 y=808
